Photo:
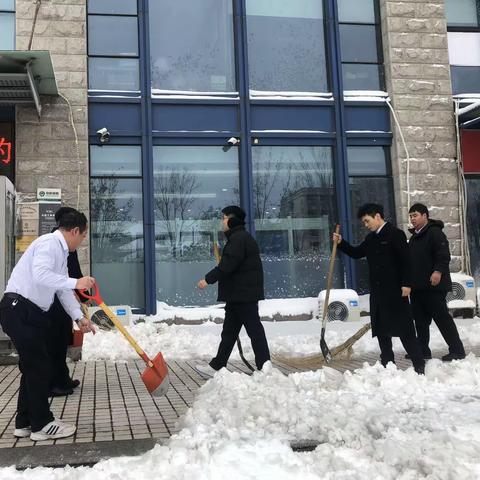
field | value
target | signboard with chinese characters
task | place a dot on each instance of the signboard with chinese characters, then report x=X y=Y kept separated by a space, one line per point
x=7 y=151
x=46 y=217
x=49 y=194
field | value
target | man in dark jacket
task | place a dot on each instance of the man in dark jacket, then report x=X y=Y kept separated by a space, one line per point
x=430 y=257
x=389 y=269
x=240 y=284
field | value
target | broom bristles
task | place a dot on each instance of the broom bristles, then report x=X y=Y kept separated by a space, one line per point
x=312 y=362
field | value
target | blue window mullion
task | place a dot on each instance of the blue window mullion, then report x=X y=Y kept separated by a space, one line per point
x=147 y=161
x=341 y=165
x=246 y=175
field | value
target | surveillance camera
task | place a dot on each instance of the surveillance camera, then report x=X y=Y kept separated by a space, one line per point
x=103 y=135
x=233 y=141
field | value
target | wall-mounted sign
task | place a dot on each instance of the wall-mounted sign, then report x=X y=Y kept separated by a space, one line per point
x=5 y=151
x=49 y=194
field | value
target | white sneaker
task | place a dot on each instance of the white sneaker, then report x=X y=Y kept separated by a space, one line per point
x=206 y=371
x=22 y=432
x=53 y=430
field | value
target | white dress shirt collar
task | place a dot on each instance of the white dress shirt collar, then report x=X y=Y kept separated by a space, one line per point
x=379 y=229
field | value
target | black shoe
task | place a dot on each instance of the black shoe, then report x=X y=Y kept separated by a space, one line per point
x=420 y=369
x=453 y=356
x=74 y=383
x=60 y=392
x=426 y=356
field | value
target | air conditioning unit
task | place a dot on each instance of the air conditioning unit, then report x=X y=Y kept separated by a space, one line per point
x=463 y=294
x=99 y=317
x=343 y=305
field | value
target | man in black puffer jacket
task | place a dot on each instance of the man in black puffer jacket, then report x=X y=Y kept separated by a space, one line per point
x=430 y=258
x=240 y=284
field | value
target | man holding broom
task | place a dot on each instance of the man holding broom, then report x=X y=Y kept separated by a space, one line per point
x=388 y=260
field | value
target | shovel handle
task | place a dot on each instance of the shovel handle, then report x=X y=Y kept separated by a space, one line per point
x=96 y=297
x=96 y=294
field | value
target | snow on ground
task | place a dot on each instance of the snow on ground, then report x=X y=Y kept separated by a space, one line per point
x=296 y=338
x=374 y=423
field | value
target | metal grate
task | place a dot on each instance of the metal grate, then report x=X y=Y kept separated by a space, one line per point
x=457 y=293
x=337 y=311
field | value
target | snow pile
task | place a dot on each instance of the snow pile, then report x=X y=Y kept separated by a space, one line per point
x=299 y=338
x=374 y=423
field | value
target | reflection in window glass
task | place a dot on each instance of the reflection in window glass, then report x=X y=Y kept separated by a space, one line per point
x=361 y=76
x=366 y=161
x=7 y=5
x=294 y=200
x=473 y=224
x=360 y=11
x=286 y=45
x=125 y=7
x=462 y=13
x=121 y=74
x=368 y=190
x=112 y=36
x=7 y=31
x=465 y=79
x=358 y=43
x=191 y=45
x=116 y=234
x=112 y=160
x=191 y=186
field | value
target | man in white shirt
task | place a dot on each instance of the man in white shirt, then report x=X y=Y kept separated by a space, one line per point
x=40 y=273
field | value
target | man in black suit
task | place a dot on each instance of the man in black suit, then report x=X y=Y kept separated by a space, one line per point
x=388 y=260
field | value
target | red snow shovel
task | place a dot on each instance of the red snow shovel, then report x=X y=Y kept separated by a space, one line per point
x=155 y=376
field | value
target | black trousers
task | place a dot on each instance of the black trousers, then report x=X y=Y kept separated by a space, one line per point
x=410 y=344
x=58 y=341
x=428 y=305
x=28 y=328
x=236 y=316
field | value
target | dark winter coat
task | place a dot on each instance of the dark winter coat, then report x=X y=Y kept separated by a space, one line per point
x=429 y=252
x=239 y=273
x=389 y=270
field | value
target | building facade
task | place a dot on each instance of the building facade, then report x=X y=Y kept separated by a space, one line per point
x=168 y=110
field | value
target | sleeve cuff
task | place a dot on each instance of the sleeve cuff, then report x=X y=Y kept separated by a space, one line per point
x=71 y=283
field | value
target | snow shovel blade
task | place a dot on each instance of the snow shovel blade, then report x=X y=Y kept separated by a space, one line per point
x=155 y=376
x=324 y=347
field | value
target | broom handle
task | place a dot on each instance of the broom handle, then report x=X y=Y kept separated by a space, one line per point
x=330 y=275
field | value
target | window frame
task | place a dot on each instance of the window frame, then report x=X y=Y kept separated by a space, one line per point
x=459 y=28
x=120 y=57
x=379 y=44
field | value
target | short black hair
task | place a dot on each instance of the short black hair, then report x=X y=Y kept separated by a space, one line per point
x=72 y=219
x=63 y=211
x=234 y=211
x=420 y=208
x=370 y=209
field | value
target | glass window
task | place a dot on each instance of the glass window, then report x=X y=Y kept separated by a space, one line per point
x=473 y=224
x=8 y=5
x=294 y=200
x=358 y=43
x=120 y=74
x=361 y=76
x=125 y=7
x=465 y=79
x=356 y=11
x=191 y=45
x=191 y=186
x=462 y=13
x=366 y=161
x=286 y=45
x=111 y=160
x=7 y=31
x=116 y=234
x=116 y=36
